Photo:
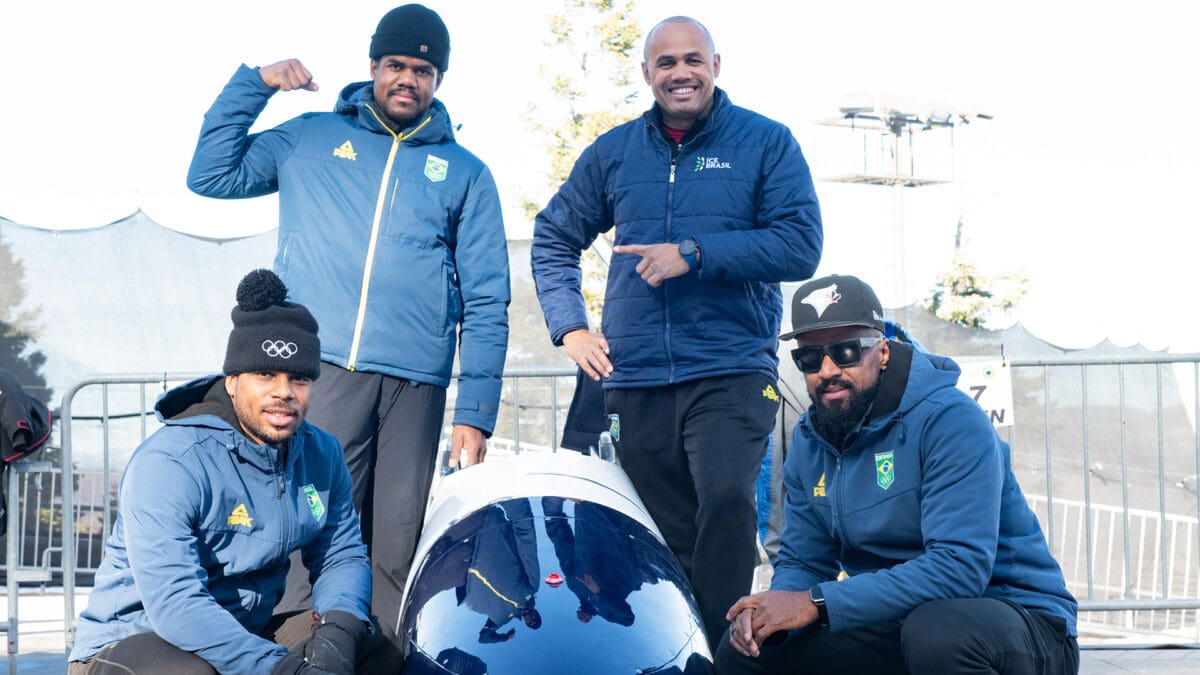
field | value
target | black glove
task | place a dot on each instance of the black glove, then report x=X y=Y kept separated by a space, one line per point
x=334 y=642
x=294 y=665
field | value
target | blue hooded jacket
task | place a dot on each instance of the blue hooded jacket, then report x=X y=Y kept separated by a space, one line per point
x=206 y=521
x=739 y=185
x=391 y=240
x=922 y=505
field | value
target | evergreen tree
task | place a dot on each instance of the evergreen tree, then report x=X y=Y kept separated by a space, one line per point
x=18 y=328
x=965 y=296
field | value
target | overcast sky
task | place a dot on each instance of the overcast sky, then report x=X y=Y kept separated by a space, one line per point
x=1083 y=180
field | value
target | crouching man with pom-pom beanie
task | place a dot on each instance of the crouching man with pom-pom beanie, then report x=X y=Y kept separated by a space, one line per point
x=211 y=506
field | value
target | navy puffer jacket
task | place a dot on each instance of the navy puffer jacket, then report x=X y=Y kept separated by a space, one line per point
x=739 y=185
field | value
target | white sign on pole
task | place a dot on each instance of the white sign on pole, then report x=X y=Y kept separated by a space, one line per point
x=988 y=380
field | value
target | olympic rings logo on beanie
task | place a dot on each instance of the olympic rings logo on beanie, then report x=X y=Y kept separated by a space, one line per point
x=270 y=334
x=284 y=350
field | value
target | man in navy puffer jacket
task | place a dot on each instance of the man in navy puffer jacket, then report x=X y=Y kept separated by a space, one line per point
x=908 y=546
x=210 y=507
x=713 y=206
x=391 y=233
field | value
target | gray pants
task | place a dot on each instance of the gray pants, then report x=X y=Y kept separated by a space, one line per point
x=147 y=653
x=389 y=430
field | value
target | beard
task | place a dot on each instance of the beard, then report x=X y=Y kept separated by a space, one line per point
x=835 y=424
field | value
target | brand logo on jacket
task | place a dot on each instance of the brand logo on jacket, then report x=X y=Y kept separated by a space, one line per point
x=822 y=298
x=819 y=490
x=435 y=168
x=240 y=516
x=703 y=163
x=279 y=349
x=885 y=469
x=345 y=151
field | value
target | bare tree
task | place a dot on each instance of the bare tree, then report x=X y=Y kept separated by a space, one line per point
x=591 y=74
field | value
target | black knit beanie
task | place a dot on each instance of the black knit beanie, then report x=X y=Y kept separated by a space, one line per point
x=412 y=30
x=269 y=334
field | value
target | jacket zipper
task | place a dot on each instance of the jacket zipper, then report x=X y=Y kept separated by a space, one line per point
x=676 y=152
x=286 y=533
x=397 y=139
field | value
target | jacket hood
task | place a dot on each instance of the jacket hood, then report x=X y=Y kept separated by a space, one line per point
x=358 y=99
x=911 y=377
x=201 y=402
x=928 y=374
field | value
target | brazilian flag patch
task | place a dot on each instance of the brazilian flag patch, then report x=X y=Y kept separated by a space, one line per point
x=314 y=502
x=885 y=469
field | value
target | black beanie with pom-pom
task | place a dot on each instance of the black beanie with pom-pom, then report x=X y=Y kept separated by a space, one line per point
x=271 y=335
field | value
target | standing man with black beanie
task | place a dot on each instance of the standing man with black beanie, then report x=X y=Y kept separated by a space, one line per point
x=391 y=233
x=210 y=507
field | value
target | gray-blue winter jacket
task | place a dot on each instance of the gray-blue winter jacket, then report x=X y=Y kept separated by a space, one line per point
x=391 y=240
x=206 y=521
x=922 y=505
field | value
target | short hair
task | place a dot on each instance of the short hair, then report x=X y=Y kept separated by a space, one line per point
x=678 y=19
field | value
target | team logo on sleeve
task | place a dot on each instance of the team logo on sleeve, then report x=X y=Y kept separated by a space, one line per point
x=885 y=469
x=435 y=168
x=314 y=502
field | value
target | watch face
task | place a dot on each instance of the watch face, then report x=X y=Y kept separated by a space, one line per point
x=687 y=247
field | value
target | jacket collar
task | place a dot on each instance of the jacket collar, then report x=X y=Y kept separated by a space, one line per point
x=358 y=100
x=204 y=403
x=893 y=381
x=653 y=117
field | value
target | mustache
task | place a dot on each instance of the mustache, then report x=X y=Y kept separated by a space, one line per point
x=835 y=381
x=284 y=409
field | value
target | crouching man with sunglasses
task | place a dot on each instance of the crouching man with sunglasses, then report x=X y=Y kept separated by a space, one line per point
x=908 y=546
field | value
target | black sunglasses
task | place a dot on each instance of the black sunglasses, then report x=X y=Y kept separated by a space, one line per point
x=844 y=354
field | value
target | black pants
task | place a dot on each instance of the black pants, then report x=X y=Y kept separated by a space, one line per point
x=961 y=636
x=149 y=654
x=693 y=452
x=389 y=429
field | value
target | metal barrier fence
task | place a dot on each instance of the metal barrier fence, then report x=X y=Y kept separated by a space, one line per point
x=1118 y=498
x=1135 y=566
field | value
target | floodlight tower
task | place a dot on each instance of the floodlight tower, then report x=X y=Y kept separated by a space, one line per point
x=900 y=137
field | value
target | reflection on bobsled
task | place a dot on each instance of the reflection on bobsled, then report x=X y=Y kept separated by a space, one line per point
x=547 y=564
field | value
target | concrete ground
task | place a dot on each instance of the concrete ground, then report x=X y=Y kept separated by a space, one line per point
x=41 y=647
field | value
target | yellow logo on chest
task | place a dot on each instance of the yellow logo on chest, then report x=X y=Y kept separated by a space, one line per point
x=240 y=516
x=346 y=151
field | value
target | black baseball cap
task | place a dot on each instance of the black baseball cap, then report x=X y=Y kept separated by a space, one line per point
x=832 y=301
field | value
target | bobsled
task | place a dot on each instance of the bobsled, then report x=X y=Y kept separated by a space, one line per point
x=546 y=563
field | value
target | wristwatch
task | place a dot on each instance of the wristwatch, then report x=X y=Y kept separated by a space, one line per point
x=690 y=252
x=818 y=599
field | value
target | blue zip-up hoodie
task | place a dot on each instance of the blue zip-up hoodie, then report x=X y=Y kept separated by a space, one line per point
x=391 y=240
x=738 y=184
x=206 y=521
x=921 y=505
